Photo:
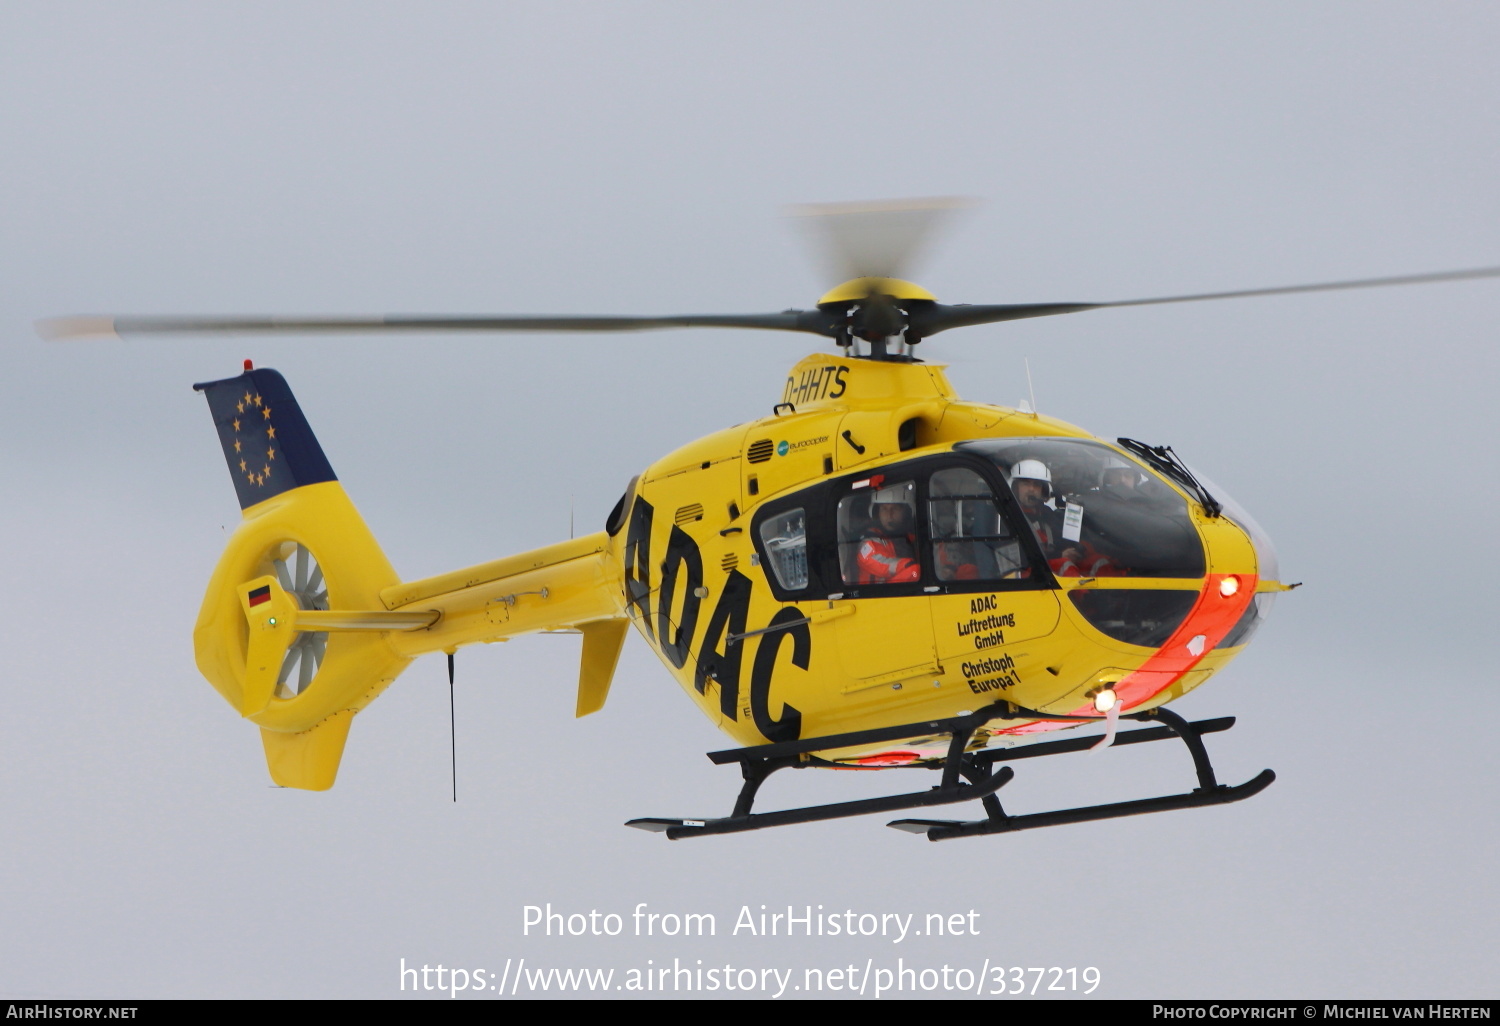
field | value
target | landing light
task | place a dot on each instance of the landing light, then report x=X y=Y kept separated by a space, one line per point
x=1105 y=700
x=1228 y=586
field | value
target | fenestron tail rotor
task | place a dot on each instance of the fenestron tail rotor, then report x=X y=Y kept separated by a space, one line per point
x=299 y=574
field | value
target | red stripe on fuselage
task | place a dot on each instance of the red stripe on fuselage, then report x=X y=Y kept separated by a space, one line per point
x=1213 y=616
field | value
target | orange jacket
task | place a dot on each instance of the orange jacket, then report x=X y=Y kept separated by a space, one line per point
x=887 y=561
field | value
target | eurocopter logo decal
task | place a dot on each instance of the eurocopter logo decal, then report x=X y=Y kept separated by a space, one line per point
x=784 y=447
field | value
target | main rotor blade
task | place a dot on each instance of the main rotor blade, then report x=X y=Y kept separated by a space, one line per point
x=876 y=240
x=67 y=329
x=940 y=318
x=925 y=321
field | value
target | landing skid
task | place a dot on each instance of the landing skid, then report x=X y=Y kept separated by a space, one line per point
x=977 y=768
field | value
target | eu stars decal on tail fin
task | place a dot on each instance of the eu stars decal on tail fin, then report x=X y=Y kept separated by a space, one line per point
x=267 y=443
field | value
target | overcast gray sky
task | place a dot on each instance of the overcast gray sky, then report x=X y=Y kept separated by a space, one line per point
x=636 y=158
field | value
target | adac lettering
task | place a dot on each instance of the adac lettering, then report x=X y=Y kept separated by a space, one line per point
x=794 y=630
x=717 y=659
x=987 y=631
x=638 y=566
x=826 y=382
x=682 y=552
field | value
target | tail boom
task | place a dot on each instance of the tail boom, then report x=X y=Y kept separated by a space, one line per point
x=560 y=587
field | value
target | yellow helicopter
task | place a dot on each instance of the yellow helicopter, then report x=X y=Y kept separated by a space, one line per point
x=877 y=575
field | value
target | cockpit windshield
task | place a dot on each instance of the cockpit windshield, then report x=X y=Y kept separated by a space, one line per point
x=1094 y=511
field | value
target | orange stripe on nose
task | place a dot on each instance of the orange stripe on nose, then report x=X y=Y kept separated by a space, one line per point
x=1212 y=617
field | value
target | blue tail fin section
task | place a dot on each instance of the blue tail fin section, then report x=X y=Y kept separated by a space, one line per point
x=267 y=443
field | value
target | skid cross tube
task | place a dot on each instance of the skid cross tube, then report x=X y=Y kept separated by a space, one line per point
x=1083 y=744
x=1208 y=792
x=969 y=723
x=937 y=830
x=1176 y=725
x=959 y=765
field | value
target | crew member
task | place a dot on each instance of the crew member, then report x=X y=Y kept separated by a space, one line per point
x=1121 y=483
x=955 y=560
x=888 y=550
x=1031 y=482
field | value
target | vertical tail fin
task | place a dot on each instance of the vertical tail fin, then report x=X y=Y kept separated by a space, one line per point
x=267 y=443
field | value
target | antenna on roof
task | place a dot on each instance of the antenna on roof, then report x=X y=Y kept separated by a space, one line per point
x=1029 y=406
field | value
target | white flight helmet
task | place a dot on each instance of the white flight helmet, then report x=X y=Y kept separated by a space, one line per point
x=894 y=495
x=1032 y=470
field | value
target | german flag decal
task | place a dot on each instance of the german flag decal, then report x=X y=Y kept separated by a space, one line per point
x=259 y=595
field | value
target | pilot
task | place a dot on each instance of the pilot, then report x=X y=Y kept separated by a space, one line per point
x=1031 y=482
x=888 y=550
x=1122 y=483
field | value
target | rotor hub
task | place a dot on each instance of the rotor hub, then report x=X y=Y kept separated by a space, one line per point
x=876 y=311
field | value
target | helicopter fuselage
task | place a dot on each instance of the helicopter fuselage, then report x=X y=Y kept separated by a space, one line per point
x=739 y=563
x=870 y=556
x=878 y=561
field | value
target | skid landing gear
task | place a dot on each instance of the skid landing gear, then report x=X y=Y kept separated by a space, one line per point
x=967 y=776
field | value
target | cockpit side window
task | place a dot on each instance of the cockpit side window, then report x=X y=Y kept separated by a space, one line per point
x=970 y=539
x=877 y=534
x=784 y=538
x=940 y=523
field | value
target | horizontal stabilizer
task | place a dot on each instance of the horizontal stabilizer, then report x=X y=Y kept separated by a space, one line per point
x=366 y=620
